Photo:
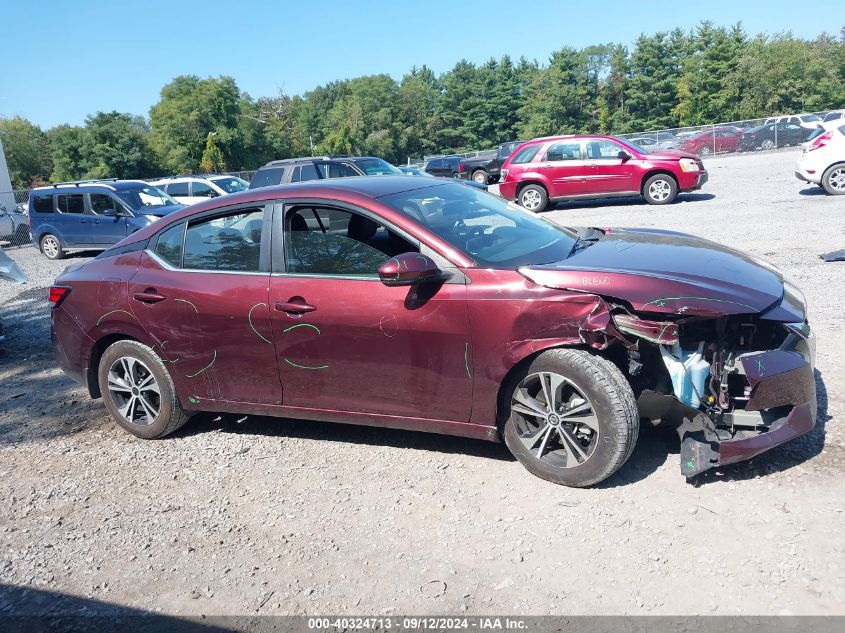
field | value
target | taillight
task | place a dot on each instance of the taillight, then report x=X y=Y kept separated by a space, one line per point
x=503 y=174
x=820 y=141
x=58 y=294
x=461 y=167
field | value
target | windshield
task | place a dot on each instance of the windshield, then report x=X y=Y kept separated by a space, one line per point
x=230 y=184
x=141 y=197
x=376 y=167
x=491 y=231
x=810 y=117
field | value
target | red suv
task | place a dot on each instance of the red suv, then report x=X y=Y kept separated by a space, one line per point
x=588 y=166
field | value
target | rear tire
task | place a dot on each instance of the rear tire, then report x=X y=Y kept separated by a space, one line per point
x=660 y=189
x=533 y=198
x=480 y=176
x=51 y=247
x=833 y=180
x=705 y=150
x=582 y=448
x=138 y=391
x=767 y=144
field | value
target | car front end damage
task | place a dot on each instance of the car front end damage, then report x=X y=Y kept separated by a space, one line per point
x=734 y=373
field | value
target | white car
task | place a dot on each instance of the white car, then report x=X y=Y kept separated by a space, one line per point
x=823 y=161
x=191 y=189
x=834 y=115
x=807 y=121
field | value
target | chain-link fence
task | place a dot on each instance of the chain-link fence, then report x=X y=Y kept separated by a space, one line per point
x=14 y=222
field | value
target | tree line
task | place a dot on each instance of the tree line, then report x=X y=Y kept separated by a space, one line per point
x=667 y=79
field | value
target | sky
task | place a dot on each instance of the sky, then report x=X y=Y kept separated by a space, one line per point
x=66 y=60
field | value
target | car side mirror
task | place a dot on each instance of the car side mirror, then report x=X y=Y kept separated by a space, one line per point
x=623 y=155
x=110 y=213
x=409 y=269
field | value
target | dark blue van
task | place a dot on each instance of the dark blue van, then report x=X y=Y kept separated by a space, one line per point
x=93 y=214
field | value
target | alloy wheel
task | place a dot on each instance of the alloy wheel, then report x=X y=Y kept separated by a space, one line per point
x=531 y=199
x=837 y=179
x=705 y=150
x=659 y=190
x=134 y=390
x=555 y=421
x=50 y=246
x=479 y=177
x=768 y=144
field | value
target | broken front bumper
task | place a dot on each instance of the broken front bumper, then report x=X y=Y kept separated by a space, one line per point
x=781 y=406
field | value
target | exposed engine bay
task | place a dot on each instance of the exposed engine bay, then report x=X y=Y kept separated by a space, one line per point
x=719 y=380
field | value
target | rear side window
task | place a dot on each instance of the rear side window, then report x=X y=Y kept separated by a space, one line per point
x=71 y=203
x=178 y=189
x=525 y=155
x=267 y=177
x=564 y=151
x=169 y=245
x=43 y=204
x=335 y=170
x=230 y=242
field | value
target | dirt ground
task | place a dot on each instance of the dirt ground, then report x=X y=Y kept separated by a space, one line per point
x=260 y=515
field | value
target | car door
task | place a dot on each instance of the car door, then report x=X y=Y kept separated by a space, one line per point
x=75 y=226
x=347 y=342
x=108 y=226
x=564 y=166
x=607 y=173
x=201 y=294
x=202 y=191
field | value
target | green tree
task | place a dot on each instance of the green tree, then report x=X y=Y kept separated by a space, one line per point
x=652 y=92
x=212 y=158
x=114 y=145
x=189 y=109
x=27 y=152
x=557 y=101
x=65 y=143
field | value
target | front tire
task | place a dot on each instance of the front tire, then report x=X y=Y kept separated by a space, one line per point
x=138 y=391
x=480 y=176
x=51 y=247
x=705 y=150
x=660 y=189
x=533 y=198
x=767 y=144
x=833 y=180
x=571 y=417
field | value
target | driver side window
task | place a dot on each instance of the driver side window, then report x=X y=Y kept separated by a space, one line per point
x=326 y=241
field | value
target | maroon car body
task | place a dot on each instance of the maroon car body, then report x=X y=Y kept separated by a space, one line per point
x=595 y=166
x=713 y=141
x=429 y=340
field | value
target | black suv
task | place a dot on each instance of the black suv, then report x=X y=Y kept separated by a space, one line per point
x=444 y=166
x=280 y=172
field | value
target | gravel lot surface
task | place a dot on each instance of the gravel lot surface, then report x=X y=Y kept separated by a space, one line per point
x=259 y=515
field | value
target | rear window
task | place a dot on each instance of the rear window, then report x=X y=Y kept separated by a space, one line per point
x=71 y=203
x=43 y=204
x=267 y=177
x=525 y=155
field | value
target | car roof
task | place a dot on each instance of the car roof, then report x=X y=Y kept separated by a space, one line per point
x=84 y=185
x=305 y=159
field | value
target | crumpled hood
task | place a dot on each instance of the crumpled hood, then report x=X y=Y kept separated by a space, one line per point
x=666 y=272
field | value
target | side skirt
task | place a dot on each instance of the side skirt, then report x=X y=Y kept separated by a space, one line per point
x=441 y=427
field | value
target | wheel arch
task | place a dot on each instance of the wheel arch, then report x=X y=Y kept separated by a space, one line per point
x=527 y=359
x=655 y=172
x=97 y=350
x=532 y=181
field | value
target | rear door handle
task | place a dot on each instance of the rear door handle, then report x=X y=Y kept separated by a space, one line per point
x=294 y=307
x=148 y=297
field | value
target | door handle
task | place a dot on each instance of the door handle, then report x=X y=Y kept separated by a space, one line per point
x=81 y=221
x=148 y=297
x=292 y=307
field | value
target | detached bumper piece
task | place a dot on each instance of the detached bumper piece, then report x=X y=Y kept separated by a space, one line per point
x=781 y=407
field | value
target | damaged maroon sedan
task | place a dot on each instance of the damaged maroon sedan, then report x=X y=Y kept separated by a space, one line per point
x=407 y=303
